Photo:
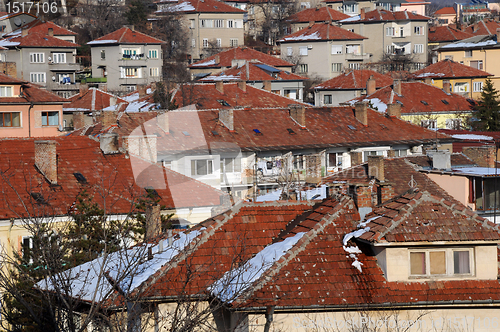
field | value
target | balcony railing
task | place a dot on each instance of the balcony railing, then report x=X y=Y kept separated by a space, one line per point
x=358 y=56
x=94 y=80
x=69 y=66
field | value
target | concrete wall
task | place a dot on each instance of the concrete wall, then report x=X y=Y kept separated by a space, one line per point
x=456 y=186
x=31 y=124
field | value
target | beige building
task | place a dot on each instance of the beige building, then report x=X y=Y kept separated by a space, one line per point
x=212 y=25
x=353 y=8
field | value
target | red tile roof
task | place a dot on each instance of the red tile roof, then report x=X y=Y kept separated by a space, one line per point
x=354 y=80
x=485 y=27
x=382 y=15
x=446 y=34
x=253 y=72
x=39 y=26
x=422 y=217
x=445 y=11
x=36 y=39
x=125 y=36
x=322 y=14
x=415 y=96
x=120 y=176
x=225 y=58
x=201 y=6
x=319 y=32
x=31 y=93
x=448 y=69
x=92 y=100
x=206 y=96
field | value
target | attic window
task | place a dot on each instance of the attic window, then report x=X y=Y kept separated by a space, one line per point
x=38 y=197
x=445 y=101
x=215 y=133
x=257 y=131
x=223 y=102
x=186 y=133
x=444 y=262
x=290 y=131
x=351 y=127
x=424 y=102
x=80 y=178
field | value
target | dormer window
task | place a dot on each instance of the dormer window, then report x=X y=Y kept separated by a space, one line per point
x=6 y=91
x=428 y=263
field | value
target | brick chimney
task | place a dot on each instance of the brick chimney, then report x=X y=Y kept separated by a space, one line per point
x=396 y=86
x=242 y=85
x=362 y=14
x=298 y=114
x=141 y=88
x=108 y=118
x=483 y=156
x=78 y=120
x=217 y=59
x=109 y=143
x=371 y=85
x=376 y=167
x=46 y=159
x=24 y=31
x=447 y=87
x=83 y=88
x=267 y=86
x=219 y=86
x=163 y=123
x=226 y=116
x=498 y=35
x=356 y=158
x=394 y=110
x=311 y=23
x=153 y=222
x=361 y=112
x=51 y=32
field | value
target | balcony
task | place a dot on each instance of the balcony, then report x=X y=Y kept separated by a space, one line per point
x=357 y=56
x=94 y=80
x=66 y=67
x=54 y=86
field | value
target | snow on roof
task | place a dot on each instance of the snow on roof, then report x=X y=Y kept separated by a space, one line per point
x=236 y=281
x=131 y=97
x=473 y=137
x=220 y=78
x=304 y=36
x=182 y=7
x=7 y=42
x=351 y=19
x=479 y=171
x=466 y=45
x=126 y=267
x=376 y=103
x=104 y=41
x=206 y=63
x=429 y=74
x=315 y=193
x=139 y=106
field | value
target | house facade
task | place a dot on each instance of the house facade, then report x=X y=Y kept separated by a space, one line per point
x=125 y=58
x=302 y=19
x=353 y=8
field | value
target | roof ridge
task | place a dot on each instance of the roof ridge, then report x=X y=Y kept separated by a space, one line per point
x=123 y=34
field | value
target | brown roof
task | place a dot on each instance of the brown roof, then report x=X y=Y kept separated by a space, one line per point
x=446 y=34
x=201 y=6
x=31 y=93
x=485 y=27
x=382 y=15
x=354 y=80
x=320 y=32
x=446 y=69
x=422 y=217
x=255 y=71
x=225 y=58
x=36 y=39
x=125 y=36
x=321 y=14
x=39 y=26
x=445 y=11
x=92 y=100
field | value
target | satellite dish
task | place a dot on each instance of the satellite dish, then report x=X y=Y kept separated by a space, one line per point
x=50 y=59
x=18 y=21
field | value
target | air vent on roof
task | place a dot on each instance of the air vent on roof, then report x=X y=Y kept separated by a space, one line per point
x=383 y=126
x=215 y=133
x=257 y=131
x=38 y=197
x=445 y=101
x=351 y=127
x=290 y=131
x=223 y=102
x=79 y=177
x=399 y=102
x=424 y=102
x=186 y=133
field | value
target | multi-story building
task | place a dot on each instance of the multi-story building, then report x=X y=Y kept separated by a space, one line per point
x=324 y=50
x=471 y=11
x=212 y=24
x=443 y=35
x=445 y=15
x=125 y=58
x=353 y=8
x=392 y=33
x=303 y=18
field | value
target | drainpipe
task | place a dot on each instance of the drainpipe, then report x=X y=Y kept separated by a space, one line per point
x=29 y=119
x=269 y=318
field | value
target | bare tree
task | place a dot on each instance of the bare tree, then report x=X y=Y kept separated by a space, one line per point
x=274 y=14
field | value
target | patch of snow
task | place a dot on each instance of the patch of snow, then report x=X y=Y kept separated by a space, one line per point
x=205 y=63
x=149 y=91
x=357 y=264
x=103 y=41
x=182 y=7
x=351 y=19
x=381 y=106
x=139 y=106
x=363 y=224
x=220 y=78
x=7 y=42
x=236 y=281
x=429 y=74
x=477 y=171
x=305 y=36
x=131 y=97
x=467 y=45
x=354 y=234
x=352 y=250
x=473 y=137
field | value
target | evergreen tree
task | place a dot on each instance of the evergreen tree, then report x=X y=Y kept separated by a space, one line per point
x=137 y=13
x=488 y=108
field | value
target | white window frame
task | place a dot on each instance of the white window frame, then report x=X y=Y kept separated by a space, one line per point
x=337 y=49
x=355 y=65
x=390 y=31
x=477 y=86
x=289 y=51
x=6 y=91
x=205 y=42
x=219 y=42
x=233 y=42
x=204 y=23
x=303 y=50
x=450 y=268
x=230 y=24
x=418 y=30
x=429 y=123
x=193 y=42
x=209 y=166
x=453 y=123
x=461 y=87
x=59 y=57
x=218 y=23
x=153 y=54
x=468 y=54
x=37 y=57
x=337 y=67
x=154 y=71
x=330 y=97
x=38 y=77
x=418 y=48
x=303 y=68
x=353 y=49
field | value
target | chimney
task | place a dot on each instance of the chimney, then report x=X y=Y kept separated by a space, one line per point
x=24 y=31
x=391 y=153
x=298 y=114
x=396 y=87
x=51 y=32
x=376 y=167
x=226 y=116
x=78 y=120
x=356 y=158
x=141 y=88
x=498 y=35
x=46 y=159
x=219 y=86
x=153 y=222
x=394 y=110
x=217 y=59
x=311 y=23
x=112 y=101
x=483 y=156
x=447 y=87
x=361 y=112
x=162 y=121
x=362 y=14
x=370 y=86
x=109 y=143
x=83 y=88
x=441 y=159
x=267 y=86
x=108 y=118
x=242 y=85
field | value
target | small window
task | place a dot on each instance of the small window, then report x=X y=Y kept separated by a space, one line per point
x=233 y=42
x=419 y=30
x=219 y=23
x=468 y=53
x=477 y=86
x=453 y=124
x=337 y=49
x=79 y=177
x=219 y=42
x=230 y=23
x=205 y=42
x=289 y=51
x=445 y=262
x=153 y=54
x=390 y=31
x=303 y=50
x=429 y=123
x=37 y=57
x=302 y=68
x=50 y=118
x=59 y=57
x=193 y=43
x=461 y=262
x=230 y=165
x=10 y=119
x=419 y=48
x=38 y=77
x=6 y=91
x=154 y=71
x=103 y=54
x=327 y=99
x=337 y=67
x=201 y=167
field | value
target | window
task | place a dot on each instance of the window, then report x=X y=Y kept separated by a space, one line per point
x=206 y=23
x=6 y=91
x=131 y=72
x=10 y=119
x=302 y=68
x=429 y=124
x=453 y=123
x=303 y=50
x=192 y=24
x=154 y=71
x=400 y=153
x=440 y=262
x=350 y=8
x=477 y=64
x=153 y=54
x=298 y=162
x=103 y=54
x=461 y=87
x=419 y=48
x=37 y=77
x=390 y=49
x=335 y=160
x=477 y=86
x=193 y=43
x=390 y=31
x=336 y=67
x=468 y=53
x=327 y=99
x=37 y=57
x=419 y=30
x=219 y=42
x=230 y=23
x=229 y=165
x=353 y=49
x=354 y=65
x=371 y=153
x=27 y=247
x=201 y=167
x=336 y=49
x=50 y=118
x=401 y=32
x=289 y=51
x=219 y=23
x=233 y=42
x=59 y=57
